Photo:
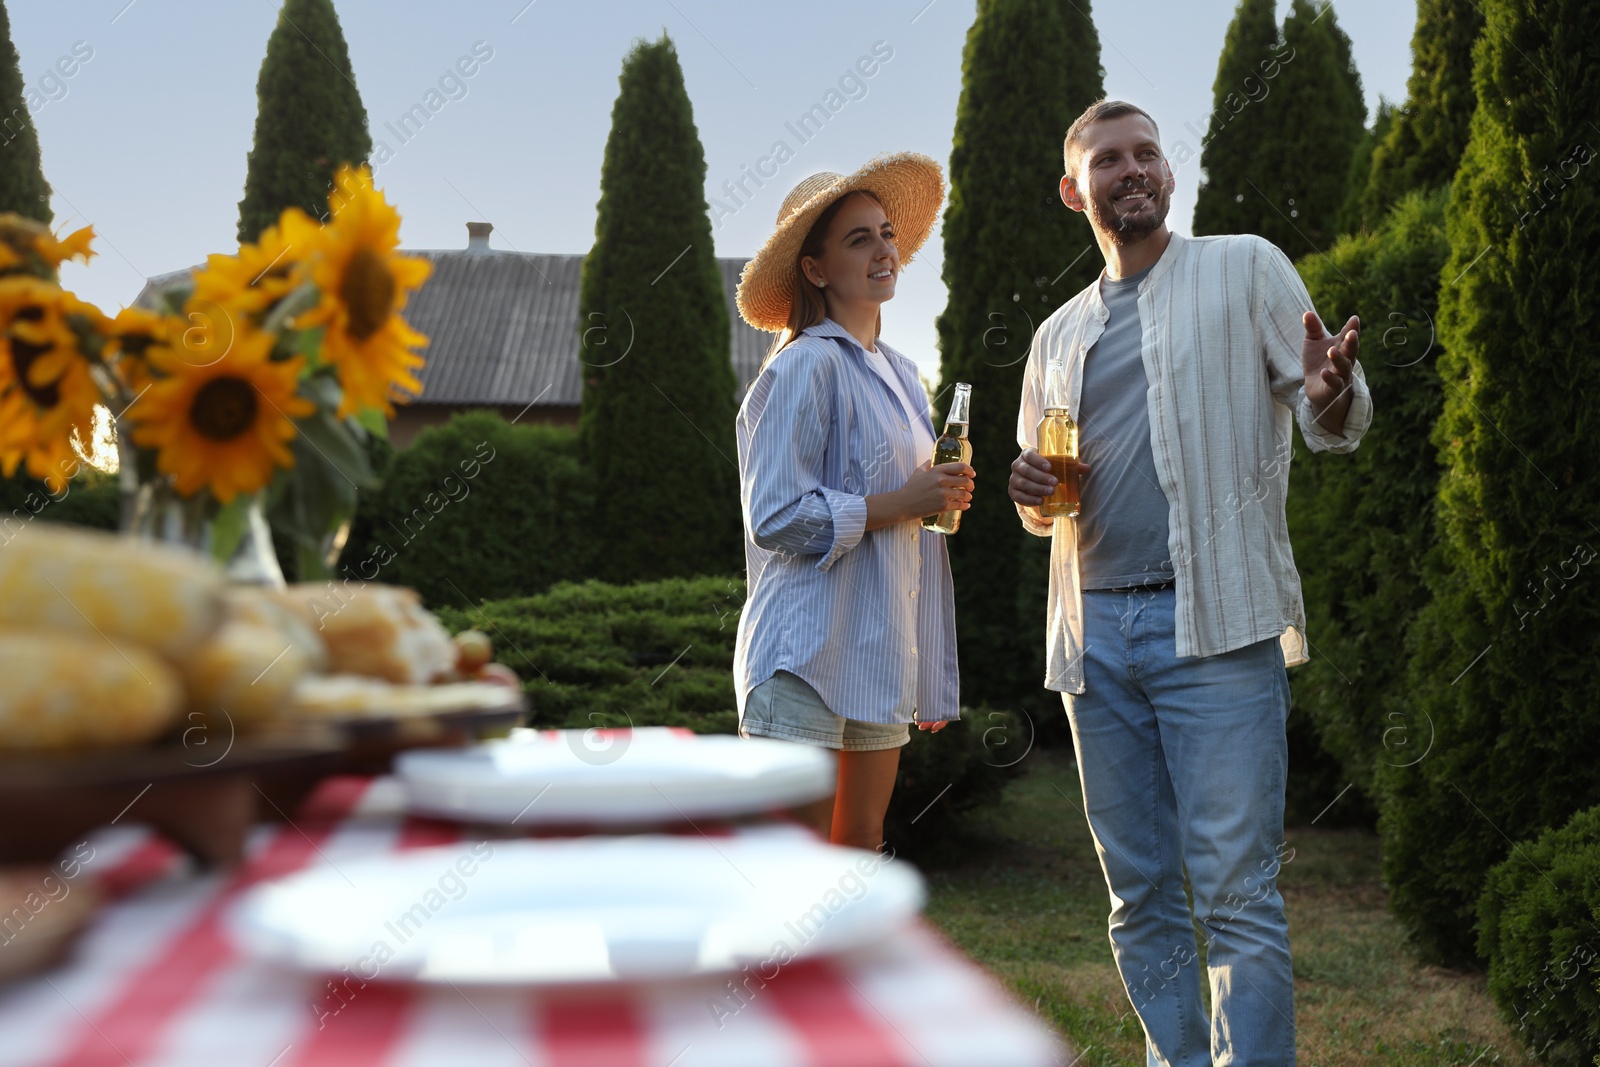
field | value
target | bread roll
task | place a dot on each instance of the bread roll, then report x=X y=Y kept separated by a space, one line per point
x=262 y=607
x=66 y=691
x=381 y=631
x=244 y=674
x=100 y=585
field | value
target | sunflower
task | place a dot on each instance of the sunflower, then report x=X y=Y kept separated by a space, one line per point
x=224 y=424
x=56 y=251
x=364 y=285
x=27 y=245
x=129 y=338
x=46 y=390
x=262 y=273
x=83 y=315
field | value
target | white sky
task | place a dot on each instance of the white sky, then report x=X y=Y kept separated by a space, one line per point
x=147 y=139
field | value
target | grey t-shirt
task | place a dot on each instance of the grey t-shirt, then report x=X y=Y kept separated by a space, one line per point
x=1122 y=522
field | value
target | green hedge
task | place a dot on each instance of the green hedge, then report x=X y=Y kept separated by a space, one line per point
x=1361 y=522
x=1503 y=672
x=90 y=499
x=661 y=654
x=477 y=508
x=1539 y=926
x=656 y=653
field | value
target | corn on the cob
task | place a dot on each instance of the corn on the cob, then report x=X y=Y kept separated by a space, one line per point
x=66 y=691
x=54 y=578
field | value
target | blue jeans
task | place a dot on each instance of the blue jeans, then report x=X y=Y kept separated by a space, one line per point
x=1183 y=765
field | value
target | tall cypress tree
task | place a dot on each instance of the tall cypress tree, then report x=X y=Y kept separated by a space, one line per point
x=1239 y=130
x=656 y=426
x=309 y=117
x=1316 y=119
x=1424 y=144
x=1351 y=216
x=1502 y=670
x=1286 y=122
x=22 y=185
x=1012 y=254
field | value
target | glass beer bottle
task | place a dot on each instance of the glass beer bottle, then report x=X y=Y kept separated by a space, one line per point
x=1058 y=444
x=952 y=447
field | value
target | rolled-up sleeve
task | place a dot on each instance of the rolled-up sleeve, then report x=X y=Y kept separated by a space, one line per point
x=788 y=509
x=1028 y=412
x=1356 y=421
x=1284 y=302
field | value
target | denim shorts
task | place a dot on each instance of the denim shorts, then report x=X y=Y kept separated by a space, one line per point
x=786 y=707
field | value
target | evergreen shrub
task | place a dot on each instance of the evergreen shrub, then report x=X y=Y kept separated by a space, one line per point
x=1287 y=121
x=23 y=188
x=1316 y=124
x=476 y=508
x=1502 y=678
x=90 y=499
x=1539 y=927
x=661 y=654
x=1360 y=522
x=1240 y=127
x=1423 y=142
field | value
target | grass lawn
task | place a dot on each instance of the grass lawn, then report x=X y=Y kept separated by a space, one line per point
x=1031 y=906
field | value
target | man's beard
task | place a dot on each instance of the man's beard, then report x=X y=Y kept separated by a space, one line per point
x=1124 y=229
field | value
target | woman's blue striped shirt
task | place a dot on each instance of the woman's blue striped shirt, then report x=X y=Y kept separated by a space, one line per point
x=867 y=618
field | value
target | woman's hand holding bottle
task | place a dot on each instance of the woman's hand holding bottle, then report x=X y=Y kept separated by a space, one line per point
x=927 y=492
x=934 y=489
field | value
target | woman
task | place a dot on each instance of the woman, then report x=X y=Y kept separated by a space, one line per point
x=848 y=629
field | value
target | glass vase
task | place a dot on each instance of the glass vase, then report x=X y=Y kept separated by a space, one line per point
x=154 y=511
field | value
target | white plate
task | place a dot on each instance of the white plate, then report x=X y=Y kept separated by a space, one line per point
x=650 y=774
x=577 y=910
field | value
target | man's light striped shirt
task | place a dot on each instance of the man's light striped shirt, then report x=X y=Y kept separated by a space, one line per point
x=1222 y=333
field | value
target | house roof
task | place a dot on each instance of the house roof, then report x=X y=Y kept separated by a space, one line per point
x=503 y=327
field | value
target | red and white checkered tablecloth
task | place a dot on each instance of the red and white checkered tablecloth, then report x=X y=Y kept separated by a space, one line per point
x=157 y=981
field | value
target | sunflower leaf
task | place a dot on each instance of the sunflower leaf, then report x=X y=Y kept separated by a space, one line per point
x=283 y=312
x=228 y=527
x=309 y=344
x=372 y=420
x=337 y=447
x=320 y=497
x=322 y=389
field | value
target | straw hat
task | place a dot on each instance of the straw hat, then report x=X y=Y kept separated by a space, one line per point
x=911 y=188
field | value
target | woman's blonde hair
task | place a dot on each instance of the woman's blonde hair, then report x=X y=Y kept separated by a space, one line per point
x=809 y=306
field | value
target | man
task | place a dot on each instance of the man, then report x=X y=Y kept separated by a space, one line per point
x=1174 y=602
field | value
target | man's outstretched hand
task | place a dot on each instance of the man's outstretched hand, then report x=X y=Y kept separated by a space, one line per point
x=1329 y=363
